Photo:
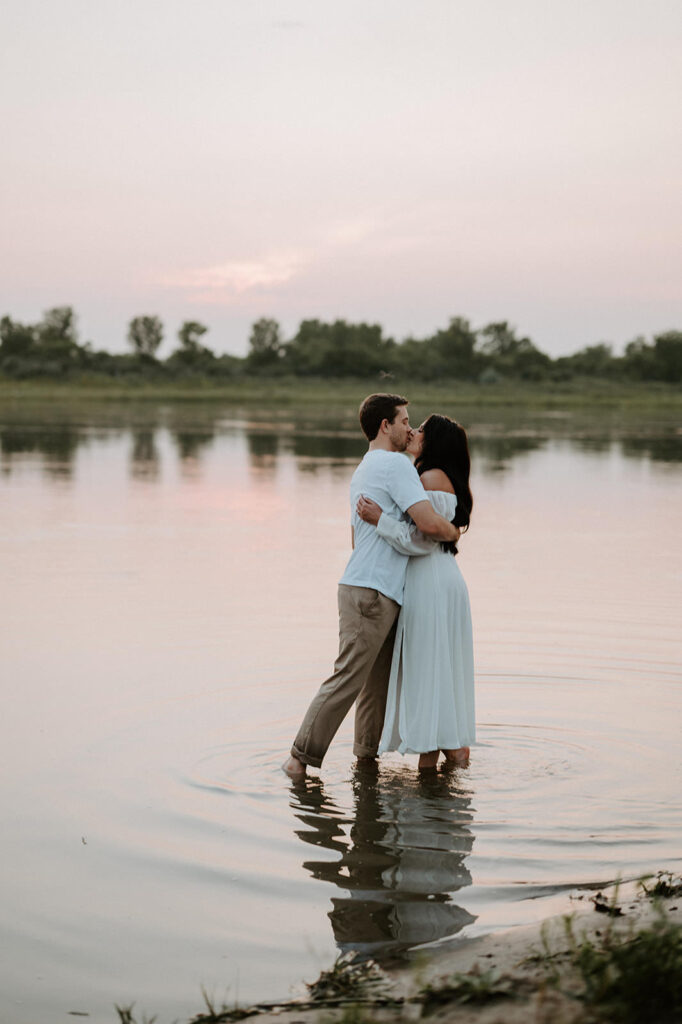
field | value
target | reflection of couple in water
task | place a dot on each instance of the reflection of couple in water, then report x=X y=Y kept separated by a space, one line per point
x=398 y=857
x=405 y=645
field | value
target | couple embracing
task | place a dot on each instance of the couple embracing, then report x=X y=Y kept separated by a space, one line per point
x=405 y=642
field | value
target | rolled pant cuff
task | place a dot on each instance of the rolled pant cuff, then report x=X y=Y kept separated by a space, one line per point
x=361 y=751
x=314 y=762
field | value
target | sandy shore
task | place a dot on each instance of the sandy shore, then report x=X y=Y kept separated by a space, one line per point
x=524 y=975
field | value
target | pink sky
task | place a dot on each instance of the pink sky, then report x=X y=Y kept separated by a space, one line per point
x=393 y=162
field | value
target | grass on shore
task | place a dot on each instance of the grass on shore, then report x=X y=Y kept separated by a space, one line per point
x=576 y=393
x=665 y=886
x=631 y=977
x=615 y=976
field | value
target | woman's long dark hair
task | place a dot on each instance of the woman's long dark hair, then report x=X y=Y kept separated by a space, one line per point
x=446 y=447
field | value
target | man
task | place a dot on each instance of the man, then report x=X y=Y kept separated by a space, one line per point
x=370 y=590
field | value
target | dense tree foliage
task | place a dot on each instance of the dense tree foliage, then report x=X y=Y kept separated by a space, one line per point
x=190 y=355
x=47 y=349
x=145 y=334
x=266 y=346
x=491 y=353
x=339 y=349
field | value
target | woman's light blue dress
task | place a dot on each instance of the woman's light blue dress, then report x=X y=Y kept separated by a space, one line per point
x=430 y=703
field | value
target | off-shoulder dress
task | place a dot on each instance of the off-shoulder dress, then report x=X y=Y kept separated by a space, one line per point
x=430 y=704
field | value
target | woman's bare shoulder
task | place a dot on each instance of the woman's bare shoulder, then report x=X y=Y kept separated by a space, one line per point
x=436 y=480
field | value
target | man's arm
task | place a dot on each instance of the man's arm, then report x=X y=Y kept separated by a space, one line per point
x=404 y=486
x=431 y=523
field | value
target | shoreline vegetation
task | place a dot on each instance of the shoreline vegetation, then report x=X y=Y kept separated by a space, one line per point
x=616 y=959
x=578 y=393
x=488 y=356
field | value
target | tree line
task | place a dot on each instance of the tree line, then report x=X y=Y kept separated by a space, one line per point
x=51 y=349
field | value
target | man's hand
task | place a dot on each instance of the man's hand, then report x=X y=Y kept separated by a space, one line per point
x=368 y=510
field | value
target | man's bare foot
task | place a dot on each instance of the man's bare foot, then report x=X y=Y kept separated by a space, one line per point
x=294 y=768
x=429 y=760
x=459 y=756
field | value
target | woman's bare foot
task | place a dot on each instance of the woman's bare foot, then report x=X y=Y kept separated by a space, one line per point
x=429 y=760
x=294 y=768
x=459 y=756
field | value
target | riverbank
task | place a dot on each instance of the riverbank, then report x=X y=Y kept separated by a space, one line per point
x=616 y=958
x=577 y=393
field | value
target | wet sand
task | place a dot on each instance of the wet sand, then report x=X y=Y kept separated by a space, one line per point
x=530 y=965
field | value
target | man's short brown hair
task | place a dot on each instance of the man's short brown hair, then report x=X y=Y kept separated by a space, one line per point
x=377 y=408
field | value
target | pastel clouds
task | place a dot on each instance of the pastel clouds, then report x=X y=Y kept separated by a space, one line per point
x=227 y=282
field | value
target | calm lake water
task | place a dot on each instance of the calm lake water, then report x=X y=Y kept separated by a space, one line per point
x=168 y=608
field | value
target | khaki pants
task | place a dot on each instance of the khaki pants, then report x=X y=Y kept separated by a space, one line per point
x=367 y=621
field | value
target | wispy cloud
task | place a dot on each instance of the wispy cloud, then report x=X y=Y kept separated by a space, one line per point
x=237 y=280
x=229 y=281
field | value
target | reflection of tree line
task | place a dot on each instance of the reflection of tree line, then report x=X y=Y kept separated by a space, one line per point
x=58 y=444
x=56 y=447
x=399 y=857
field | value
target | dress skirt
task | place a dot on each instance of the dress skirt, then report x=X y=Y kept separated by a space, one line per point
x=430 y=704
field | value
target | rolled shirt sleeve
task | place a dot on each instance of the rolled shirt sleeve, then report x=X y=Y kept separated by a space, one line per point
x=404 y=536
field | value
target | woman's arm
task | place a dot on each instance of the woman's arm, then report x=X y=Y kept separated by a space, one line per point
x=402 y=536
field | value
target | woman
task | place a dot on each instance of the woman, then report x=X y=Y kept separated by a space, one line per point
x=430 y=704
